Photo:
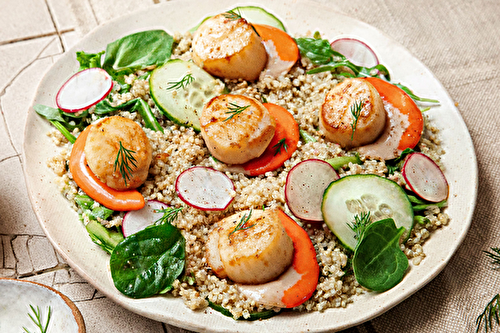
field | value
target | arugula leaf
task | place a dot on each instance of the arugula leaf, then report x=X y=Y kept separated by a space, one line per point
x=378 y=262
x=148 y=262
x=55 y=117
x=89 y=60
x=135 y=105
x=137 y=51
x=396 y=164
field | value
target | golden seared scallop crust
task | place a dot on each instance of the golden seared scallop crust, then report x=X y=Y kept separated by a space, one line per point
x=102 y=147
x=236 y=128
x=257 y=253
x=229 y=48
x=336 y=119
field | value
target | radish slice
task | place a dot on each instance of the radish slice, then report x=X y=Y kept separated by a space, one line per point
x=305 y=184
x=205 y=188
x=356 y=51
x=425 y=178
x=137 y=220
x=84 y=89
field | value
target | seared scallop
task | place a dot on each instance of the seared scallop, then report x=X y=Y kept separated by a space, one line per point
x=228 y=46
x=336 y=118
x=236 y=128
x=253 y=247
x=106 y=143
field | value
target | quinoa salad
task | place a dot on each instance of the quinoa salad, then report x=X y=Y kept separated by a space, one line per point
x=178 y=148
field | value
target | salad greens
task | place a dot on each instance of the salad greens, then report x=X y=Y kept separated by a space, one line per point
x=378 y=262
x=266 y=314
x=137 y=51
x=89 y=60
x=148 y=262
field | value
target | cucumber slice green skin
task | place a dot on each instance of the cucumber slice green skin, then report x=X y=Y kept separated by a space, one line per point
x=253 y=14
x=351 y=195
x=184 y=104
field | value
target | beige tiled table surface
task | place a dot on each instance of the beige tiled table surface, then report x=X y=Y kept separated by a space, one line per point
x=457 y=40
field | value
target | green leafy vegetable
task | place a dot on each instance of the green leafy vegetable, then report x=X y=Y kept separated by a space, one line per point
x=137 y=51
x=413 y=96
x=106 y=238
x=320 y=53
x=396 y=164
x=418 y=208
x=135 y=105
x=89 y=60
x=148 y=262
x=266 y=314
x=87 y=204
x=123 y=160
x=378 y=262
x=340 y=161
x=54 y=116
x=37 y=319
x=281 y=144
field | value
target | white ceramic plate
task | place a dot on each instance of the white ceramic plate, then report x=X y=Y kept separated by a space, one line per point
x=19 y=295
x=69 y=237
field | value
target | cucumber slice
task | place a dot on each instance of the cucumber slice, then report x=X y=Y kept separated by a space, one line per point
x=354 y=194
x=182 y=104
x=253 y=14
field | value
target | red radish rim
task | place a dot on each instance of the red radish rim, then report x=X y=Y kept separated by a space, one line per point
x=90 y=105
x=352 y=39
x=403 y=172
x=287 y=181
x=132 y=211
x=196 y=206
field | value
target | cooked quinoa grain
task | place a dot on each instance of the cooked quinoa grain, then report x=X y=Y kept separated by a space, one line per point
x=179 y=148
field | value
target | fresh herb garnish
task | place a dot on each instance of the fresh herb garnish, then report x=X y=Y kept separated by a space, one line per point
x=232 y=14
x=123 y=161
x=242 y=224
x=169 y=215
x=38 y=320
x=355 y=112
x=235 y=109
x=491 y=313
x=182 y=83
x=279 y=145
x=360 y=224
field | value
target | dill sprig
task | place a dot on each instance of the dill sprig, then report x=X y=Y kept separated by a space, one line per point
x=243 y=222
x=279 y=145
x=360 y=224
x=490 y=315
x=355 y=112
x=235 y=109
x=182 y=83
x=169 y=215
x=123 y=161
x=38 y=320
x=232 y=14
x=495 y=256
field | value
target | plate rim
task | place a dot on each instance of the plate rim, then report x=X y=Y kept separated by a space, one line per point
x=243 y=326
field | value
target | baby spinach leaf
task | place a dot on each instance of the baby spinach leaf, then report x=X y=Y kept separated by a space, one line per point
x=137 y=51
x=135 y=105
x=88 y=60
x=378 y=262
x=148 y=262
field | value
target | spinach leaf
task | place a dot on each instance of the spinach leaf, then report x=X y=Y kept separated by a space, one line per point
x=135 y=105
x=320 y=53
x=378 y=262
x=55 y=117
x=89 y=60
x=137 y=51
x=266 y=314
x=148 y=262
